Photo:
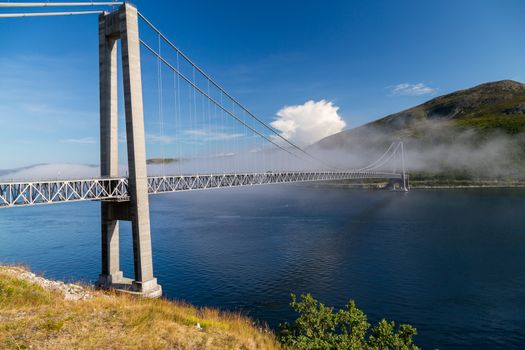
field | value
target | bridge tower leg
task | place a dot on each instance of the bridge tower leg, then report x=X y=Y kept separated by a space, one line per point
x=123 y=25
x=404 y=182
x=108 y=151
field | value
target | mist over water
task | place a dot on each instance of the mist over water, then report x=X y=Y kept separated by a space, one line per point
x=448 y=262
x=434 y=147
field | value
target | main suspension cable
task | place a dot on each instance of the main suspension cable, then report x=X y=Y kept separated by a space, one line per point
x=371 y=165
x=374 y=167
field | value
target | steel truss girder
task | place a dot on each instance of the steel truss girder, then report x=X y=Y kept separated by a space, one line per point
x=15 y=194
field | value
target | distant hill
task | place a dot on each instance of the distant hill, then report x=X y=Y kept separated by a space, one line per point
x=476 y=132
x=161 y=160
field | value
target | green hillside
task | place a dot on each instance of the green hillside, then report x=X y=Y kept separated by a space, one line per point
x=495 y=105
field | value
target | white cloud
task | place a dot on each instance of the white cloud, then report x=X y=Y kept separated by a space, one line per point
x=154 y=138
x=206 y=135
x=409 y=89
x=193 y=136
x=307 y=123
x=83 y=140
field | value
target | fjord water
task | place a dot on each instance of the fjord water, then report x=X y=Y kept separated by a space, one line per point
x=450 y=262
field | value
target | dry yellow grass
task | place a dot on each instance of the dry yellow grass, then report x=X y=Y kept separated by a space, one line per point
x=33 y=317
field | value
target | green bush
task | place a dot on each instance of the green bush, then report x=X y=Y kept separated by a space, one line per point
x=319 y=327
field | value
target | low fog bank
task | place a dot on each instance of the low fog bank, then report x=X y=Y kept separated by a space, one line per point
x=50 y=171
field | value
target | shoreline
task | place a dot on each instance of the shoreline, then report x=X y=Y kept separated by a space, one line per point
x=429 y=187
x=426 y=186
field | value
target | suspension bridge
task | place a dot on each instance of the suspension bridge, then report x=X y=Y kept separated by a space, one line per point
x=205 y=139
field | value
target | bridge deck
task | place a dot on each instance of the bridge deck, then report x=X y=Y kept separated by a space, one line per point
x=26 y=193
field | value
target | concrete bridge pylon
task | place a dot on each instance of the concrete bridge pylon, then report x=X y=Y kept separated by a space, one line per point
x=122 y=25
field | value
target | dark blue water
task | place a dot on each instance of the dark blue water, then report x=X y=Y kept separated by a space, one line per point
x=450 y=262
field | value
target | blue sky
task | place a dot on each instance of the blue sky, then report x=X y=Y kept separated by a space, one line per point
x=369 y=58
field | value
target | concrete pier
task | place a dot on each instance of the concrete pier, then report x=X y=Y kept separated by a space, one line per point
x=123 y=25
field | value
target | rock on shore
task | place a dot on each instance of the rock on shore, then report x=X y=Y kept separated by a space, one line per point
x=69 y=290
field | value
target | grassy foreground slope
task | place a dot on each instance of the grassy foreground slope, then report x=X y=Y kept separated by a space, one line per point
x=32 y=316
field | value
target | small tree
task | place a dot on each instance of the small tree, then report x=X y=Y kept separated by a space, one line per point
x=318 y=327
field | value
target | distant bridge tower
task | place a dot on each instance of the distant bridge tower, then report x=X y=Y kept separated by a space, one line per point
x=404 y=179
x=123 y=24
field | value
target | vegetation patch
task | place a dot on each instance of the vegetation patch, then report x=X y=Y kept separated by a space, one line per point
x=319 y=327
